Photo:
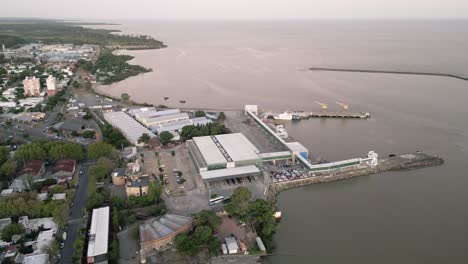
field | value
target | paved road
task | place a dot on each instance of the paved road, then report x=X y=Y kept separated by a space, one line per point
x=60 y=107
x=77 y=215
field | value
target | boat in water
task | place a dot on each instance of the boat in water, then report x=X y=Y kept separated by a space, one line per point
x=283 y=116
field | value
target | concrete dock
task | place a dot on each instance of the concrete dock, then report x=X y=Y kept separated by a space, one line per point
x=402 y=162
x=326 y=114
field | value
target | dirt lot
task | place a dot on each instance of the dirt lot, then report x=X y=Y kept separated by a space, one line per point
x=189 y=197
x=229 y=227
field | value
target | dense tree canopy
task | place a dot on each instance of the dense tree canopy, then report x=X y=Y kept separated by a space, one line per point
x=7 y=170
x=240 y=200
x=200 y=114
x=33 y=151
x=64 y=150
x=113 y=136
x=208 y=218
x=189 y=132
x=27 y=204
x=165 y=137
x=144 y=138
x=4 y=154
x=10 y=230
x=100 y=149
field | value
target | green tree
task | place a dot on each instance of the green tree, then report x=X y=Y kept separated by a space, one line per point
x=4 y=154
x=200 y=114
x=165 y=137
x=98 y=172
x=89 y=134
x=8 y=170
x=221 y=117
x=65 y=150
x=239 y=202
x=76 y=85
x=28 y=152
x=115 y=219
x=202 y=235
x=125 y=97
x=185 y=244
x=100 y=149
x=144 y=138
x=154 y=191
x=10 y=230
x=95 y=200
x=106 y=163
x=208 y=218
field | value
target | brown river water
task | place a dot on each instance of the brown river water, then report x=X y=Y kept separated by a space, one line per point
x=417 y=216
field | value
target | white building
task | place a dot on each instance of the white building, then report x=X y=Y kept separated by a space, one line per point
x=164 y=119
x=98 y=236
x=30 y=102
x=131 y=129
x=36 y=259
x=32 y=87
x=51 y=89
x=232 y=246
x=9 y=93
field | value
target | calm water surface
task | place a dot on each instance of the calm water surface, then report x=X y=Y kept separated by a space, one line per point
x=405 y=217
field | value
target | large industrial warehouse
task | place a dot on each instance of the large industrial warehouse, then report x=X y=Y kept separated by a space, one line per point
x=131 y=129
x=228 y=156
x=222 y=151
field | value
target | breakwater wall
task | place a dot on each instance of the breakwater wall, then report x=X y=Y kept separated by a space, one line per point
x=464 y=78
x=396 y=163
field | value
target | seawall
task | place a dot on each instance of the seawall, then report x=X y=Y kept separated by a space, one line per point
x=397 y=163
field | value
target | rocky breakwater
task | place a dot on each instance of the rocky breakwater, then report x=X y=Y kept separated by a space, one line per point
x=394 y=163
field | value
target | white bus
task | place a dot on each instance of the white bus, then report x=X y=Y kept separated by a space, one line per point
x=216 y=200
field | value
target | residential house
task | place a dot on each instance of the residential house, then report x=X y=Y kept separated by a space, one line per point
x=64 y=168
x=137 y=186
x=34 y=168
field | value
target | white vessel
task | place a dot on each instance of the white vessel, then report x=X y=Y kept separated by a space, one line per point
x=283 y=116
x=281 y=131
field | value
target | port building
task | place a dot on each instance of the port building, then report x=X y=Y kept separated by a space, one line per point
x=229 y=156
x=99 y=236
x=131 y=129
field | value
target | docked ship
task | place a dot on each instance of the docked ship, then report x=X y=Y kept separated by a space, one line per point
x=283 y=116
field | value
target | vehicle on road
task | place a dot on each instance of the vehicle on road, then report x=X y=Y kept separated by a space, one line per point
x=64 y=236
x=216 y=200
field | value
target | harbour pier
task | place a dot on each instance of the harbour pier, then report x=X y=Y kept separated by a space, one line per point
x=326 y=114
x=403 y=162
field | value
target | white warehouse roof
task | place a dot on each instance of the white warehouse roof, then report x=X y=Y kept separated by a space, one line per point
x=99 y=232
x=178 y=125
x=156 y=120
x=226 y=148
x=154 y=113
x=130 y=128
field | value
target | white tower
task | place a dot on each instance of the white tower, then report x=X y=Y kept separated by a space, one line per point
x=51 y=91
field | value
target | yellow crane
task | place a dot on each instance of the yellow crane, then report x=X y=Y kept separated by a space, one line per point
x=323 y=105
x=345 y=106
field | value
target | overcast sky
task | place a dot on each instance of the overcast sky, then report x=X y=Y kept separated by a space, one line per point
x=235 y=9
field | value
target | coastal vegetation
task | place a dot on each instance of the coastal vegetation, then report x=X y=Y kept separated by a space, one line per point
x=110 y=68
x=21 y=31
